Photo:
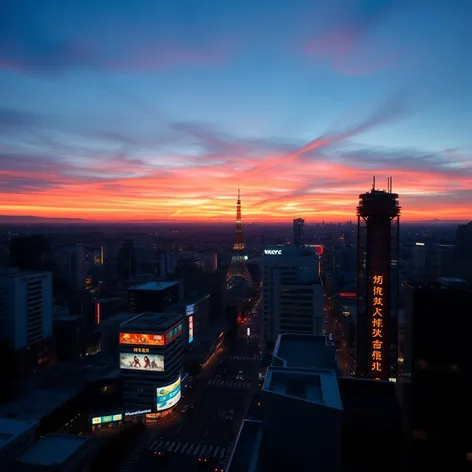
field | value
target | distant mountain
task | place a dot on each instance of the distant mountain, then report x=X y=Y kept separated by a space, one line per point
x=8 y=219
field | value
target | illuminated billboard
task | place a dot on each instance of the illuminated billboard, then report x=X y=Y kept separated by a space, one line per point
x=107 y=419
x=167 y=397
x=171 y=335
x=190 y=329
x=190 y=310
x=134 y=361
x=141 y=339
x=379 y=355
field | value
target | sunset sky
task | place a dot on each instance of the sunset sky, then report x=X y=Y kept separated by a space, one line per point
x=125 y=110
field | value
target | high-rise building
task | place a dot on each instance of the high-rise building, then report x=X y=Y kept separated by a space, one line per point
x=463 y=251
x=434 y=376
x=154 y=297
x=71 y=265
x=127 y=260
x=151 y=361
x=377 y=283
x=298 y=232
x=31 y=253
x=26 y=316
x=292 y=297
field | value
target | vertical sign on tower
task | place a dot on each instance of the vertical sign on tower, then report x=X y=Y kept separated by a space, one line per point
x=378 y=342
x=97 y=314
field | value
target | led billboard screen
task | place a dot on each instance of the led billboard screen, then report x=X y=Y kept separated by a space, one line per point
x=107 y=419
x=190 y=329
x=171 y=335
x=190 y=309
x=140 y=339
x=133 y=361
x=168 y=396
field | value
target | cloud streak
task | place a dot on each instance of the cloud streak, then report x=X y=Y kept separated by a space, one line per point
x=279 y=180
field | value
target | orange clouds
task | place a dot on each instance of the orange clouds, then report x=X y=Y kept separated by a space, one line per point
x=315 y=190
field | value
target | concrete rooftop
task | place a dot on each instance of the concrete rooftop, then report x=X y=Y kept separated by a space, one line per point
x=53 y=449
x=304 y=351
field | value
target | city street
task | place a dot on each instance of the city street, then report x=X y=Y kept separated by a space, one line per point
x=219 y=402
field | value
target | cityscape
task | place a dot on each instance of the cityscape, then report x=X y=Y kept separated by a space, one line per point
x=235 y=238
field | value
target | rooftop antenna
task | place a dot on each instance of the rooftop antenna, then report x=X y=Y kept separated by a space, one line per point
x=239 y=196
x=373 y=183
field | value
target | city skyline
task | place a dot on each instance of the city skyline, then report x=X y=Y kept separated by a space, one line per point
x=120 y=112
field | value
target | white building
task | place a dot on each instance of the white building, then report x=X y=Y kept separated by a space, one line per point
x=293 y=296
x=26 y=306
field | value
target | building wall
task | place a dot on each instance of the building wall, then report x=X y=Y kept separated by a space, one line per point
x=288 y=437
x=139 y=387
x=27 y=308
x=292 y=297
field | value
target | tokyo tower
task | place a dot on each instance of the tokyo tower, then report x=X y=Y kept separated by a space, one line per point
x=237 y=267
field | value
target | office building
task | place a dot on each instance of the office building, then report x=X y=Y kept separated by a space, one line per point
x=71 y=266
x=31 y=253
x=310 y=419
x=435 y=379
x=154 y=297
x=463 y=252
x=26 y=316
x=292 y=297
x=299 y=391
x=127 y=260
x=151 y=360
x=298 y=232
x=377 y=284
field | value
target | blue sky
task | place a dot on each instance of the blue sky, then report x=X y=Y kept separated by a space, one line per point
x=137 y=95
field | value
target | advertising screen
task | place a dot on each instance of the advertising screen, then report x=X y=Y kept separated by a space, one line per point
x=168 y=396
x=171 y=335
x=133 y=361
x=190 y=329
x=190 y=310
x=141 y=339
x=107 y=419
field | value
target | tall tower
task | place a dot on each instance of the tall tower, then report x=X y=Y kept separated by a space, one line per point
x=378 y=224
x=298 y=230
x=237 y=267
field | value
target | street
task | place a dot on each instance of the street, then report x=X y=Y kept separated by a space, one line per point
x=217 y=405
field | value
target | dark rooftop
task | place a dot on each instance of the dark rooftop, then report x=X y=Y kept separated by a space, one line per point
x=152 y=321
x=245 y=455
x=304 y=351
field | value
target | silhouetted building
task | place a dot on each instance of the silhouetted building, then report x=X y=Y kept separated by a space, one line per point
x=435 y=378
x=127 y=260
x=463 y=252
x=298 y=232
x=31 y=253
x=377 y=284
x=26 y=317
x=154 y=297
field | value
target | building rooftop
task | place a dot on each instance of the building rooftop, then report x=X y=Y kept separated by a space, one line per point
x=10 y=428
x=152 y=321
x=315 y=386
x=154 y=286
x=304 y=351
x=53 y=449
x=245 y=456
x=38 y=403
x=120 y=317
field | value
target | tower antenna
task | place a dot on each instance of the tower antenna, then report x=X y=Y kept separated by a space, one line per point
x=373 y=183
